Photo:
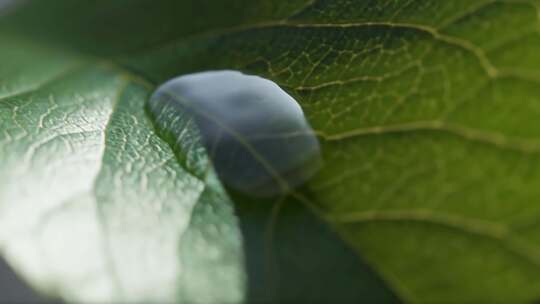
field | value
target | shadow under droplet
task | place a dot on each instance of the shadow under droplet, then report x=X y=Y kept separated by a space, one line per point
x=294 y=257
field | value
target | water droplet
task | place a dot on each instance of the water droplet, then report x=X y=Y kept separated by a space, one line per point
x=7 y=6
x=256 y=134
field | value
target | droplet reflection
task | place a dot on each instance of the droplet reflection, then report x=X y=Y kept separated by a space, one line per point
x=256 y=134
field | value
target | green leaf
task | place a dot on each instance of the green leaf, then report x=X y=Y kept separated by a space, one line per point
x=94 y=206
x=427 y=113
x=114 y=211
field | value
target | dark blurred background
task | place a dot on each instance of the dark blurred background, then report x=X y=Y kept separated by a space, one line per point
x=13 y=290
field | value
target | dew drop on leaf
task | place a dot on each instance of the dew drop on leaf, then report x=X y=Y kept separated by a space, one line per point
x=257 y=136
